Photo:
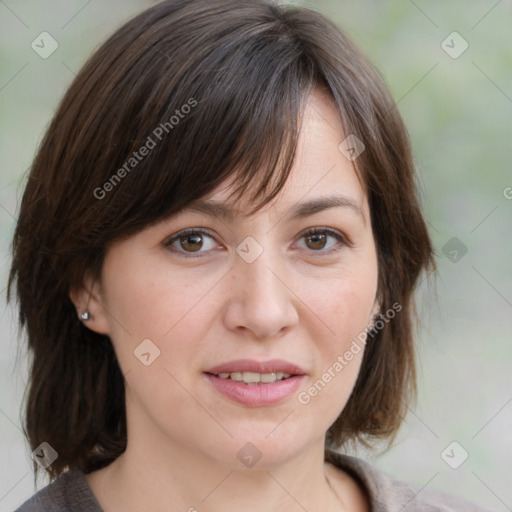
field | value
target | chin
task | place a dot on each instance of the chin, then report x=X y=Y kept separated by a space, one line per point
x=259 y=450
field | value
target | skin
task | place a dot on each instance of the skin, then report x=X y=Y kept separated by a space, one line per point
x=299 y=301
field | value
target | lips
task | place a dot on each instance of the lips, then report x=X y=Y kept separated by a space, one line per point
x=256 y=383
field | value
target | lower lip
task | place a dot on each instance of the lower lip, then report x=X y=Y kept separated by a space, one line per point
x=256 y=395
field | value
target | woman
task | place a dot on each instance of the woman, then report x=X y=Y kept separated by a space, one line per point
x=215 y=261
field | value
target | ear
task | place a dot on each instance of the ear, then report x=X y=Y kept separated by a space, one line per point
x=374 y=314
x=88 y=297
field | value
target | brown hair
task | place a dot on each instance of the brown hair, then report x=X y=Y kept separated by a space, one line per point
x=243 y=68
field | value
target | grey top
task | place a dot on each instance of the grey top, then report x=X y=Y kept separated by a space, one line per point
x=71 y=492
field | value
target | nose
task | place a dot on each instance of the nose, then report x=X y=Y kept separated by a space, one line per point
x=261 y=302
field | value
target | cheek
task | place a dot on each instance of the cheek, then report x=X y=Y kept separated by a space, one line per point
x=344 y=304
x=351 y=309
x=149 y=300
x=172 y=310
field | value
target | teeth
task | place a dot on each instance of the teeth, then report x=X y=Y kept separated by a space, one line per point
x=253 y=377
x=267 y=377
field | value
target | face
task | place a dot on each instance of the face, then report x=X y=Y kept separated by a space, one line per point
x=251 y=298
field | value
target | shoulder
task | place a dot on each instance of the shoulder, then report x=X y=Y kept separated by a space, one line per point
x=386 y=493
x=68 y=493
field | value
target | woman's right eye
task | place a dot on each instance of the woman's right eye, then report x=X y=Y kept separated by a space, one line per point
x=190 y=241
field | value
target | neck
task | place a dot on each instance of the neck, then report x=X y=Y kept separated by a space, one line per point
x=145 y=479
x=159 y=472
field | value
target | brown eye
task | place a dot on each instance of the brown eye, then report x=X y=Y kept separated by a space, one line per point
x=317 y=240
x=191 y=241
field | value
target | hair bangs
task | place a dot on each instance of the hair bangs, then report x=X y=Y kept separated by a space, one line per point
x=236 y=112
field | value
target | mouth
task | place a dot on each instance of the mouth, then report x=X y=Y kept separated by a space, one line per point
x=254 y=372
x=256 y=384
x=252 y=377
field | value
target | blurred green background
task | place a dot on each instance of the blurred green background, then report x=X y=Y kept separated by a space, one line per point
x=457 y=104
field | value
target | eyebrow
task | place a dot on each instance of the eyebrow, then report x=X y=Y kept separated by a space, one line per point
x=299 y=211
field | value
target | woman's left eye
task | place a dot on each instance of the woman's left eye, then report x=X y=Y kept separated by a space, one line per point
x=191 y=241
x=318 y=237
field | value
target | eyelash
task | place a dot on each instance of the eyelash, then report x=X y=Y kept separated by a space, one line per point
x=312 y=231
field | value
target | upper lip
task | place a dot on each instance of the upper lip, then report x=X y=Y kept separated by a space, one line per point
x=249 y=365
